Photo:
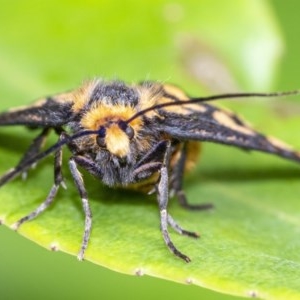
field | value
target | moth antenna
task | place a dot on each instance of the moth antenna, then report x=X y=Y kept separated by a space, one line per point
x=211 y=98
x=19 y=169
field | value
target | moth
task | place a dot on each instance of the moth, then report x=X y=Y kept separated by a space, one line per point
x=141 y=136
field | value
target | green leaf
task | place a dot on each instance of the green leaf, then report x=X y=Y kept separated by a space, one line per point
x=249 y=243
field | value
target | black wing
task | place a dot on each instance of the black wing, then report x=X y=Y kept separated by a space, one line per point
x=48 y=112
x=219 y=126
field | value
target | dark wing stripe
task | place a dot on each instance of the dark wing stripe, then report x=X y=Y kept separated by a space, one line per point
x=171 y=97
x=49 y=114
x=194 y=127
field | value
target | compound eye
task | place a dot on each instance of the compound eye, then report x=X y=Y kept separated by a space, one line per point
x=101 y=137
x=127 y=129
x=130 y=132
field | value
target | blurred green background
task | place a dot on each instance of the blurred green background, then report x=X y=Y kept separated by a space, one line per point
x=48 y=46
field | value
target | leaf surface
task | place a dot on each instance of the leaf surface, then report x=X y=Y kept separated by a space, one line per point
x=250 y=243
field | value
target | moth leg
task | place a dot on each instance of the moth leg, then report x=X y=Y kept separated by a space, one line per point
x=33 y=150
x=179 y=229
x=85 y=204
x=88 y=165
x=177 y=182
x=154 y=155
x=58 y=180
x=162 y=198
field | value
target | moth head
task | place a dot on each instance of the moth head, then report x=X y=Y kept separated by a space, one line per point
x=112 y=132
x=115 y=137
